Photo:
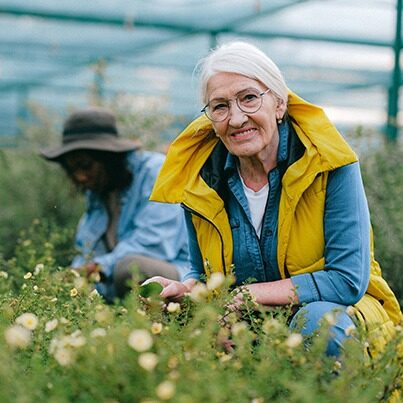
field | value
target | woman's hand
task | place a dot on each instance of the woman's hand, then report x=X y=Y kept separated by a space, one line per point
x=275 y=293
x=173 y=290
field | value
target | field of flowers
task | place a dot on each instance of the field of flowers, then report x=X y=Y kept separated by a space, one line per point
x=62 y=343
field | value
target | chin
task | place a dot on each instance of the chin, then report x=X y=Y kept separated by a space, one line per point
x=244 y=153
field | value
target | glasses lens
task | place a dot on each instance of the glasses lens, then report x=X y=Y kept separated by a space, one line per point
x=249 y=101
x=217 y=111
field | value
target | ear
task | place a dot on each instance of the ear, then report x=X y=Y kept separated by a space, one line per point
x=280 y=109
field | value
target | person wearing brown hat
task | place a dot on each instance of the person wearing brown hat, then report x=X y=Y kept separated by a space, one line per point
x=121 y=229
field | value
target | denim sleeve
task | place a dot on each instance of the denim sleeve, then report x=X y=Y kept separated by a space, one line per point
x=196 y=260
x=345 y=276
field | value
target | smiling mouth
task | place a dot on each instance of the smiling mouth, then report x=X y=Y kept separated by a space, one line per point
x=244 y=134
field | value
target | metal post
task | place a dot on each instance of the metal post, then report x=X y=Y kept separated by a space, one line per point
x=393 y=106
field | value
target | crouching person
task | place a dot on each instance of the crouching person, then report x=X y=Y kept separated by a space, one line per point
x=121 y=230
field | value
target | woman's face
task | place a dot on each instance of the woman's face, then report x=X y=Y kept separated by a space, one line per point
x=86 y=172
x=245 y=134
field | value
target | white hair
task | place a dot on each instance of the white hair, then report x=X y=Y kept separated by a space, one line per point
x=245 y=59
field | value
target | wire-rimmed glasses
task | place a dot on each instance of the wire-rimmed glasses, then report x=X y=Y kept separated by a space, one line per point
x=248 y=101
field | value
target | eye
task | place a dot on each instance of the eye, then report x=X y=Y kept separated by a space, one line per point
x=84 y=165
x=248 y=97
x=219 y=106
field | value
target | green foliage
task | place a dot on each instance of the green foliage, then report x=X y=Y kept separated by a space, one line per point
x=62 y=343
x=143 y=350
x=33 y=188
x=383 y=179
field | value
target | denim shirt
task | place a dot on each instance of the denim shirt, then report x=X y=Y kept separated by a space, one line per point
x=346 y=234
x=146 y=228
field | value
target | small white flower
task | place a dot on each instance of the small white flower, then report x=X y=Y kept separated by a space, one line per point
x=140 y=340
x=199 y=292
x=64 y=321
x=173 y=307
x=294 y=340
x=330 y=318
x=80 y=282
x=349 y=331
x=76 y=339
x=3 y=274
x=38 y=268
x=53 y=299
x=73 y=292
x=27 y=275
x=98 y=332
x=156 y=328
x=93 y=294
x=28 y=320
x=103 y=316
x=225 y=357
x=53 y=345
x=123 y=310
x=64 y=356
x=238 y=328
x=215 y=281
x=148 y=361
x=51 y=325
x=17 y=336
x=165 y=390
x=271 y=325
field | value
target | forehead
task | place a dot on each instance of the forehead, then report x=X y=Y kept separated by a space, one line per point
x=225 y=85
x=76 y=157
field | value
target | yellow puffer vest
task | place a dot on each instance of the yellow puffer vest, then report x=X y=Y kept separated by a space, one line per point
x=300 y=229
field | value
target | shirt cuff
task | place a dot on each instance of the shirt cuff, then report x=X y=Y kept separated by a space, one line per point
x=305 y=288
x=191 y=274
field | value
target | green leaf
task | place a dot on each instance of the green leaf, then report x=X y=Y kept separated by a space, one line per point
x=150 y=290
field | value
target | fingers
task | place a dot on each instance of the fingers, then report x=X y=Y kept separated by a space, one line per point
x=173 y=291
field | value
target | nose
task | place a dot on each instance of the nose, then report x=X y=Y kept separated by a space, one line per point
x=237 y=118
x=80 y=176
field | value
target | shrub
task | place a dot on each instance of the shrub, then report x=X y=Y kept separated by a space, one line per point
x=62 y=343
x=383 y=178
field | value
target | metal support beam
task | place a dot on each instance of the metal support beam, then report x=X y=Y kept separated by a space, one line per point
x=392 y=127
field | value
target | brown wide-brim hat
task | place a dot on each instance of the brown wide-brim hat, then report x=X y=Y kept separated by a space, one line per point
x=92 y=128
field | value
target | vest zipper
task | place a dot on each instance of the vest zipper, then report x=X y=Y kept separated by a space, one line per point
x=190 y=210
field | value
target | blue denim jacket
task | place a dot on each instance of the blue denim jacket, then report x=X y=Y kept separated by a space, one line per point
x=147 y=228
x=256 y=259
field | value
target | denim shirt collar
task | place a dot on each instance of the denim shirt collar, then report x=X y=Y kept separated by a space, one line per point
x=282 y=152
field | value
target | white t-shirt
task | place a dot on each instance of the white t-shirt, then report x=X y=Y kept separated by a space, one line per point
x=257 y=204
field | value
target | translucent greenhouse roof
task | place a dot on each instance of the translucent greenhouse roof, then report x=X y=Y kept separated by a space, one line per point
x=337 y=53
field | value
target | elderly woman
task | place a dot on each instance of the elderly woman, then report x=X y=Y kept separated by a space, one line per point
x=121 y=230
x=272 y=190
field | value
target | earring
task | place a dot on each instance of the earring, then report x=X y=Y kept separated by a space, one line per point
x=279 y=121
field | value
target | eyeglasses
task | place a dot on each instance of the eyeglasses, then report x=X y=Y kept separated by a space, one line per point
x=248 y=101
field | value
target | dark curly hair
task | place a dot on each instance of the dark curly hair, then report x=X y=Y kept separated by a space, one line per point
x=116 y=166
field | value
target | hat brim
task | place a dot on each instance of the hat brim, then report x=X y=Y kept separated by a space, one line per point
x=101 y=143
